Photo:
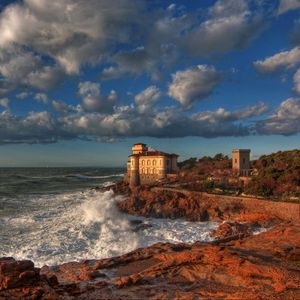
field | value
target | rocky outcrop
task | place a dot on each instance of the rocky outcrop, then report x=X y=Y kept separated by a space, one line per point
x=143 y=201
x=192 y=206
x=21 y=280
x=264 y=266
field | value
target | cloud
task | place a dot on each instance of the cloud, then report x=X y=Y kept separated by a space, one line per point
x=155 y=49
x=111 y=72
x=151 y=59
x=230 y=25
x=6 y=87
x=297 y=82
x=282 y=60
x=123 y=122
x=92 y=100
x=285 y=120
x=23 y=95
x=147 y=98
x=70 y=31
x=222 y=115
x=286 y=5
x=64 y=108
x=4 y=102
x=194 y=84
x=127 y=121
x=45 y=78
x=36 y=127
x=46 y=41
x=16 y=64
x=26 y=69
x=41 y=97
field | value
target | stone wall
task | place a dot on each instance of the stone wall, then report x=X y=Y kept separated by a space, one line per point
x=149 y=178
x=283 y=210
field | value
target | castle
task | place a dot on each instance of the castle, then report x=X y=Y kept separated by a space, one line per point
x=146 y=166
x=241 y=161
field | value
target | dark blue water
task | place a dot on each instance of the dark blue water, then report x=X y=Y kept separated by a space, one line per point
x=15 y=182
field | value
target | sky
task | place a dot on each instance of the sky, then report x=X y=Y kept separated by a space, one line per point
x=83 y=80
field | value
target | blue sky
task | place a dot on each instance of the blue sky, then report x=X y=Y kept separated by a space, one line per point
x=81 y=81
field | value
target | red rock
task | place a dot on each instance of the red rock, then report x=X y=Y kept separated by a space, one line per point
x=233 y=230
x=28 y=277
x=263 y=266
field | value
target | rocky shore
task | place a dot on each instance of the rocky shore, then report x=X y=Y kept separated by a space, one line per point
x=237 y=265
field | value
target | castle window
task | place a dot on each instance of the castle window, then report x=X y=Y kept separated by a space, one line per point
x=150 y=171
x=244 y=160
x=154 y=162
x=143 y=162
x=154 y=171
x=235 y=161
x=143 y=171
x=148 y=162
x=160 y=161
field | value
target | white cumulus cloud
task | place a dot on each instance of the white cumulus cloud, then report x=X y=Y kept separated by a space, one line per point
x=92 y=100
x=297 y=82
x=41 y=97
x=230 y=25
x=285 y=120
x=145 y=99
x=286 y=5
x=281 y=60
x=194 y=84
x=4 y=102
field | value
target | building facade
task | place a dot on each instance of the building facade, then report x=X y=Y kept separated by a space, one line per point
x=146 y=166
x=241 y=161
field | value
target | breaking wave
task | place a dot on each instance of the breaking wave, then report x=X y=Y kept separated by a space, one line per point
x=53 y=229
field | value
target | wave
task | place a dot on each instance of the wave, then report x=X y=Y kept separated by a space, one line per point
x=75 y=226
x=94 y=177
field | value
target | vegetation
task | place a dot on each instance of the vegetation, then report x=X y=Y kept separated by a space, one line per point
x=188 y=164
x=277 y=175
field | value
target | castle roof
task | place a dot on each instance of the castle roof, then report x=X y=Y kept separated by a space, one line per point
x=154 y=153
x=241 y=150
x=139 y=144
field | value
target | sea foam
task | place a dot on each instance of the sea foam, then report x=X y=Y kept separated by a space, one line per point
x=75 y=226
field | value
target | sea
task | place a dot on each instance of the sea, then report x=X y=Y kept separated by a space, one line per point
x=54 y=215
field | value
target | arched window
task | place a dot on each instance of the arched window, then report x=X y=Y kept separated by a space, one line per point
x=154 y=171
x=154 y=162
x=148 y=162
x=143 y=162
x=143 y=171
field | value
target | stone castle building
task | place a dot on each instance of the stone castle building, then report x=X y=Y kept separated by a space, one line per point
x=147 y=165
x=241 y=161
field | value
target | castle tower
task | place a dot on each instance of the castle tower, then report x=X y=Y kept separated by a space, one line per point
x=139 y=148
x=241 y=161
x=134 y=171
